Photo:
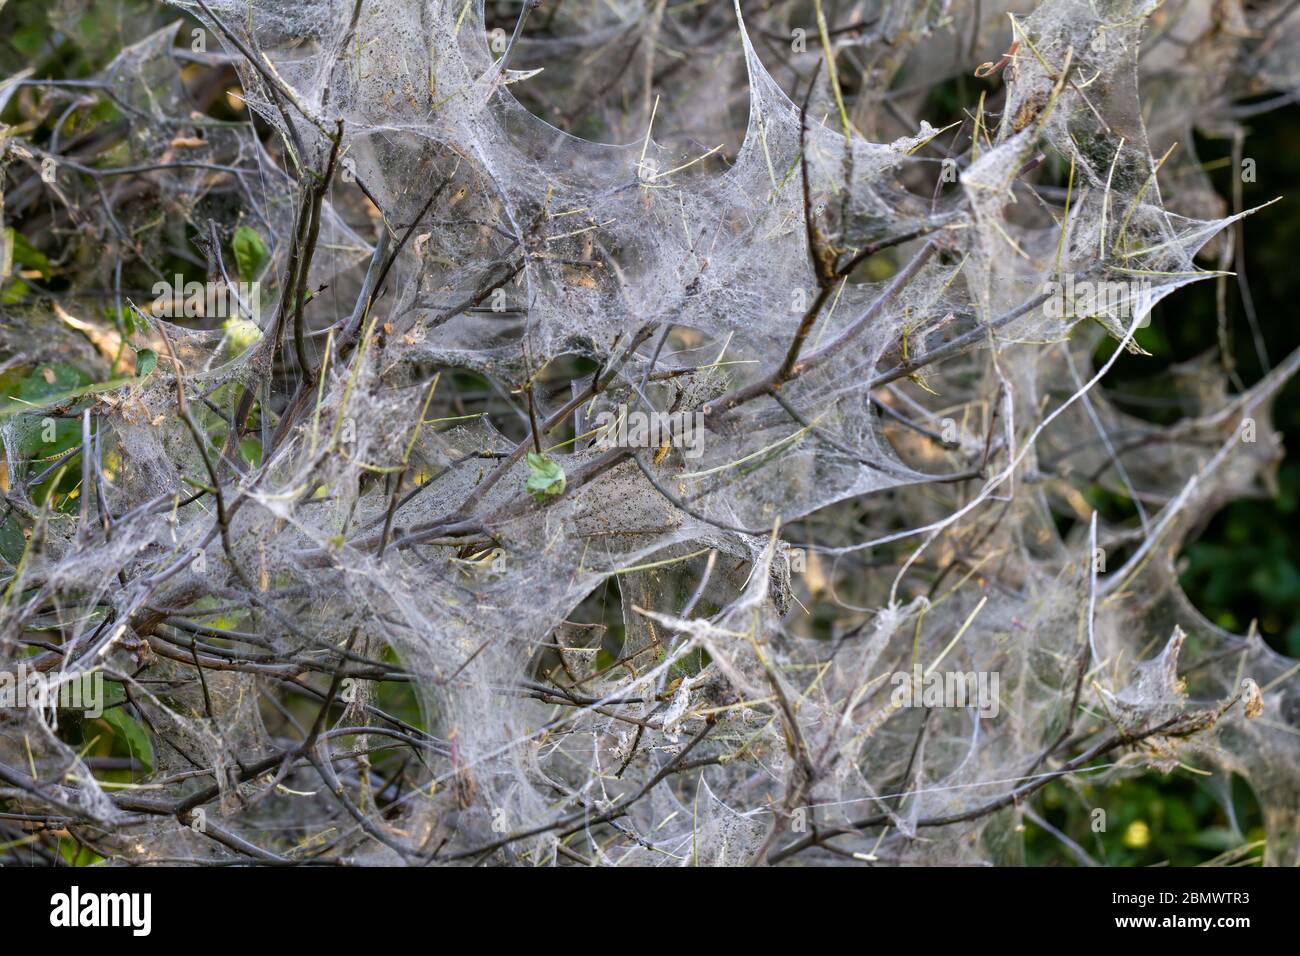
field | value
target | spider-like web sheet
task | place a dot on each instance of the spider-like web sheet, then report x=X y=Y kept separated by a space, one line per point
x=686 y=656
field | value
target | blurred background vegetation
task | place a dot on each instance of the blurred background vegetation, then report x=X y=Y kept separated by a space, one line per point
x=1242 y=570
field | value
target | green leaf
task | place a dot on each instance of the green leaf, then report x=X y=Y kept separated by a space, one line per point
x=15 y=290
x=129 y=320
x=31 y=393
x=240 y=335
x=12 y=542
x=130 y=730
x=545 y=478
x=251 y=449
x=25 y=254
x=53 y=378
x=251 y=255
x=30 y=38
x=146 y=360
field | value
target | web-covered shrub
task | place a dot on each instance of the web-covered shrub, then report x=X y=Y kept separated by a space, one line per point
x=372 y=551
